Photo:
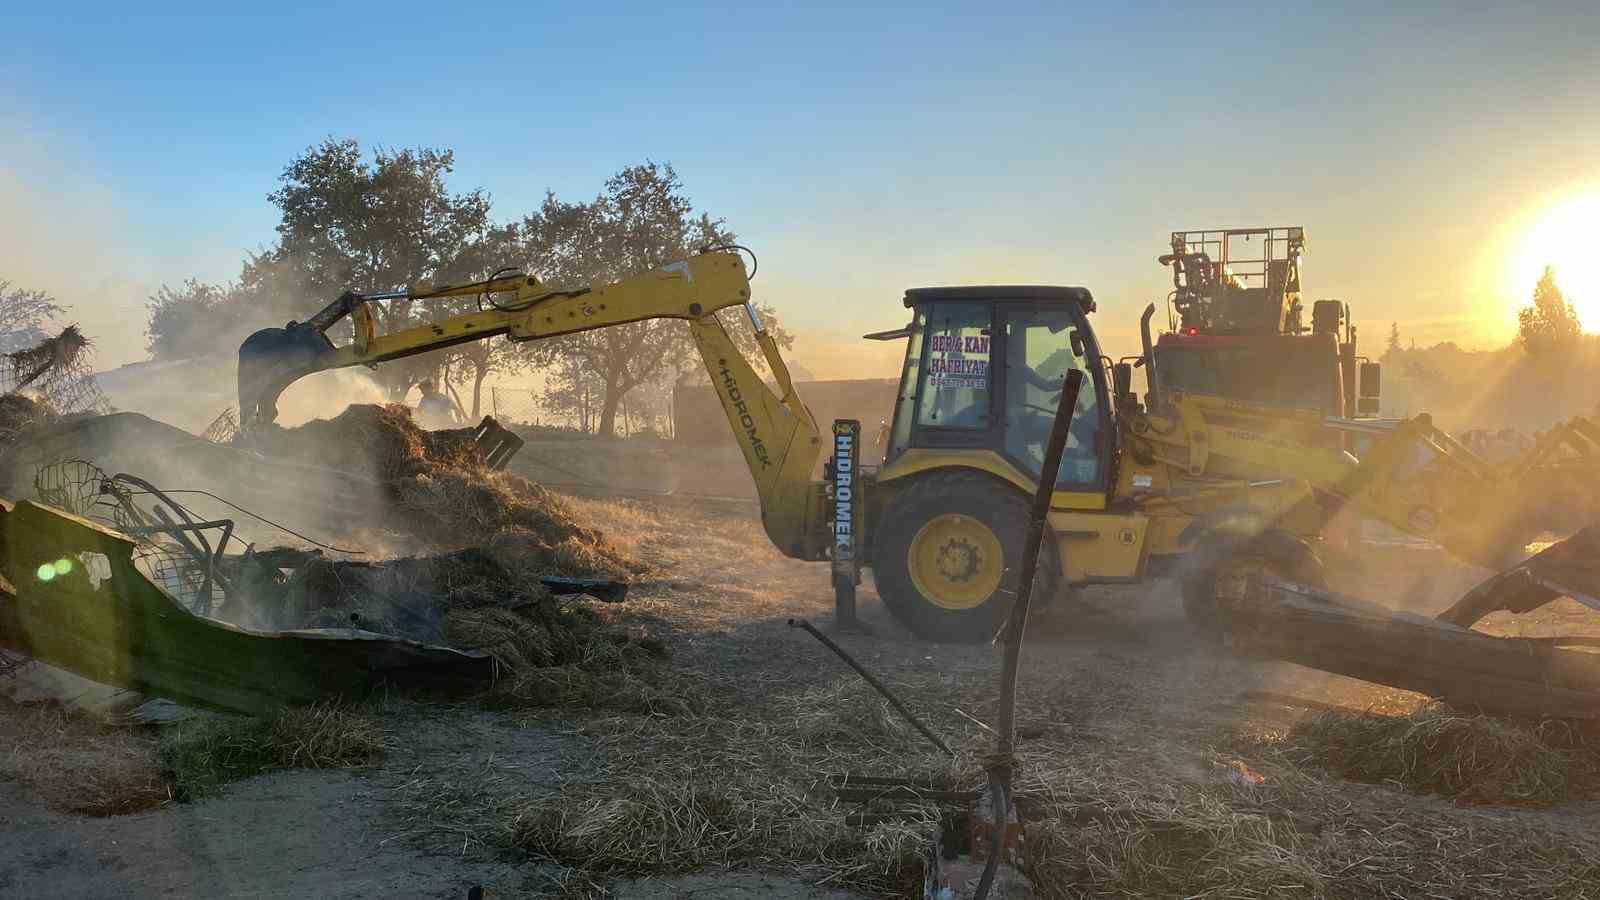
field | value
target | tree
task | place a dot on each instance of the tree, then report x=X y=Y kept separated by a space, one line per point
x=194 y=319
x=1394 y=338
x=382 y=225
x=23 y=316
x=640 y=221
x=573 y=393
x=347 y=222
x=1550 y=322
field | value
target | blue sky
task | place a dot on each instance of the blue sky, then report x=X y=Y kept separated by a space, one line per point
x=858 y=151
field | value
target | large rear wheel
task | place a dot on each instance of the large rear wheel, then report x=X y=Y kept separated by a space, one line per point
x=947 y=558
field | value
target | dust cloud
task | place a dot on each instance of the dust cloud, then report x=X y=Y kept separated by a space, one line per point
x=191 y=393
x=63 y=233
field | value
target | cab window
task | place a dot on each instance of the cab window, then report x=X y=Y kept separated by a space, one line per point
x=1039 y=352
x=955 y=380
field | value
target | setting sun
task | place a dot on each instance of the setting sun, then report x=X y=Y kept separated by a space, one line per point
x=1564 y=237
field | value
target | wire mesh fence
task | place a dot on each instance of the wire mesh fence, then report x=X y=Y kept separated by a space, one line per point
x=517 y=406
x=80 y=487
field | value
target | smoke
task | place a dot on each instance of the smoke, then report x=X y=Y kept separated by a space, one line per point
x=326 y=394
x=63 y=233
x=190 y=393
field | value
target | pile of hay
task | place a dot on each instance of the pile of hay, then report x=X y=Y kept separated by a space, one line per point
x=439 y=490
x=549 y=652
x=1438 y=750
x=203 y=753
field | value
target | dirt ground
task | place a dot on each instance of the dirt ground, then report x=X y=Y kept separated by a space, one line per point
x=1117 y=689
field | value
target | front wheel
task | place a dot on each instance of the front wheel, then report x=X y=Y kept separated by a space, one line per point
x=948 y=555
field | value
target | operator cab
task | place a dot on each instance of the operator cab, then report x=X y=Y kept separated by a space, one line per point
x=984 y=370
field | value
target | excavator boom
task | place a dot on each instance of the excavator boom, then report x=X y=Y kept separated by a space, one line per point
x=777 y=434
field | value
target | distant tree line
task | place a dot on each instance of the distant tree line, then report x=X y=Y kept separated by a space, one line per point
x=386 y=221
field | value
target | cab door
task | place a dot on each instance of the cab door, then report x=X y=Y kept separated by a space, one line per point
x=1039 y=346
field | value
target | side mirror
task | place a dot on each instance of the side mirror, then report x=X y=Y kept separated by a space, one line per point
x=1122 y=379
x=1076 y=340
x=1370 y=389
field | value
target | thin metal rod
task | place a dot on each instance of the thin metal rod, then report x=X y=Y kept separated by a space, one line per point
x=1000 y=763
x=876 y=684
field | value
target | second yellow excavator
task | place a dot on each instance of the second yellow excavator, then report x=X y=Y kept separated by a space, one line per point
x=1168 y=485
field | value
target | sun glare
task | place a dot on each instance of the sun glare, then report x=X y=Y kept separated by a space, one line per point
x=1567 y=237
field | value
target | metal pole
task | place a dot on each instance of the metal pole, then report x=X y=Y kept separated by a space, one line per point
x=1000 y=764
x=876 y=684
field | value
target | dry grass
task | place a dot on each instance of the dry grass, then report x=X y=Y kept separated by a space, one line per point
x=1184 y=843
x=643 y=825
x=732 y=785
x=76 y=764
x=1472 y=758
x=1123 y=749
x=207 y=751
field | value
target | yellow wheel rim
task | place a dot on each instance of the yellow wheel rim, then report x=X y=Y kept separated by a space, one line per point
x=955 y=561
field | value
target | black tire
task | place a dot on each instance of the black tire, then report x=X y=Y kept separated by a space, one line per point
x=1219 y=553
x=997 y=505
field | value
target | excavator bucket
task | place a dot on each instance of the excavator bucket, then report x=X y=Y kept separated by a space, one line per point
x=1567 y=568
x=269 y=361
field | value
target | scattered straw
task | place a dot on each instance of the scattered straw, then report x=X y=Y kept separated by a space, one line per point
x=1474 y=758
x=643 y=826
x=205 y=752
x=76 y=764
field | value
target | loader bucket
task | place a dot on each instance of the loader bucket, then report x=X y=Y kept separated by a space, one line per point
x=1567 y=568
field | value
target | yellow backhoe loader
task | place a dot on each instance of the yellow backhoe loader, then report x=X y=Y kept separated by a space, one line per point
x=1145 y=488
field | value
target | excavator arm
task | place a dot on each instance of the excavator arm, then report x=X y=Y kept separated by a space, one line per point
x=776 y=433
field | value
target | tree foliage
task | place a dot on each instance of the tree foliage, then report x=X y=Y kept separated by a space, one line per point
x=1394 y=338
x=640 y=220
x=23 y=316
x=347 y=221
x=1550 y=323
x=193 y=319
x=388 y=221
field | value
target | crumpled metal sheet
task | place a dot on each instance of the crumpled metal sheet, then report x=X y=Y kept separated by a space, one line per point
x=71 y=596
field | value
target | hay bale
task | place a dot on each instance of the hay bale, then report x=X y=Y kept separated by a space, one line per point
x=1473 y=758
